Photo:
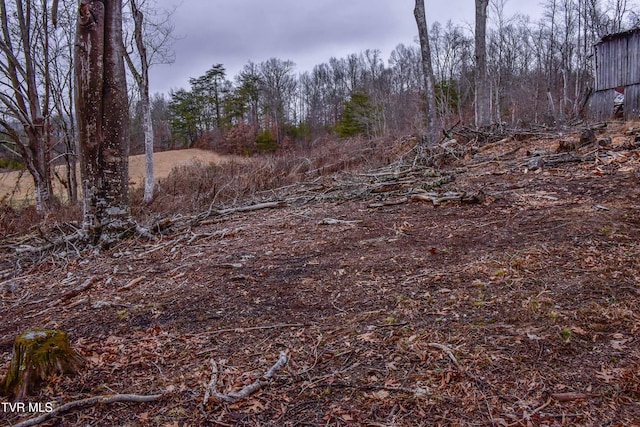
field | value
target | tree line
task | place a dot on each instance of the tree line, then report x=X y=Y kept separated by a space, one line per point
x=515 y=71
x=536 y=72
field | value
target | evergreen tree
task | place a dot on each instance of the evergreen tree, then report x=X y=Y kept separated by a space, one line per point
x=359 y=117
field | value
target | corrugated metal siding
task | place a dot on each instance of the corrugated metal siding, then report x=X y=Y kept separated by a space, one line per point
x=632 y=102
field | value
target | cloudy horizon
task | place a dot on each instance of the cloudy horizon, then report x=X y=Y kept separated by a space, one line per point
x=235 y=32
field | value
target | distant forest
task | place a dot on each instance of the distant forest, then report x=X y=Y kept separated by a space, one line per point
x=539 y=72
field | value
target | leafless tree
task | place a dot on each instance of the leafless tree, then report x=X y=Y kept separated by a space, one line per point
x=427 y=68
x=482 y=85
x=25 y=96
x=61 y=78
x=278 y=84
x=151 y=43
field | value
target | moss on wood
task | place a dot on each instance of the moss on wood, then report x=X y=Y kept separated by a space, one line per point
x=37 y=355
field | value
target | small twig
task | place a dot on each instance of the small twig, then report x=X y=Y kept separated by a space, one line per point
x=419 y=391
x=254 y=328
x=131 y=284
x=528 y=416
x=448 y=351
x=393 y=325
x=86 y=402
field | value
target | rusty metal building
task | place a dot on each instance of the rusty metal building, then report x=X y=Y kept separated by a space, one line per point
x=617 y=73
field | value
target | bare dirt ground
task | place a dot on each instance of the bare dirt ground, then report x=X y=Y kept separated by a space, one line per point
x=518 y=306
x=20 y=185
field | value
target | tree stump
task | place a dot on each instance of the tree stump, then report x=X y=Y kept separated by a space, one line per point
x=37 y=355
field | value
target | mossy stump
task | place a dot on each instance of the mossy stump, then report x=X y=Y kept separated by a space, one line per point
x=37 y=355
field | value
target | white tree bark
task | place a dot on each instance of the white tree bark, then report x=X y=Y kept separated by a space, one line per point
x=427 y=68
x=141 y=77
x=482 y=88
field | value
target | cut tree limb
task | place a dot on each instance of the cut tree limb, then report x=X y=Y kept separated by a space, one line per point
x=37 y=355
x=111 y=398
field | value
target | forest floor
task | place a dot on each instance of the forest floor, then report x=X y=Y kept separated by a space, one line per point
x=514 y=303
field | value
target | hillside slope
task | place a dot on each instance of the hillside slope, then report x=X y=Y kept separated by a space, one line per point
x=502 y=289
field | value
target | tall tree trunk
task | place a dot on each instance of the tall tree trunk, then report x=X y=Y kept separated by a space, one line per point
x=149 y=179
x=142 y=79
x=102 y=110
x=482 y=95
x=427 y=69
x=38 y=164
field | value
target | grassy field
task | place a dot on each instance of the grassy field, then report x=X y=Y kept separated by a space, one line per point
x=18 y=186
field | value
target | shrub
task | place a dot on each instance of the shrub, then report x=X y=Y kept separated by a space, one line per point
x=12 y=164
x=265 y=142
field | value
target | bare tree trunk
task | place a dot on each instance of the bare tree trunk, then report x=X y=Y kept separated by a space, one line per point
x=427 y=69
x=103 y=119
x=142 y=79
x=482 y=95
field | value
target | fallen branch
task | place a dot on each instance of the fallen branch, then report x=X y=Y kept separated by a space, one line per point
x=220 y=212
x=63 y=241
x=333 y=221
x=131 y=284
x=246 y=391
x=437 y=199
x=393 y=202
x=267 y=205
x=88 y=284
x=112 y=398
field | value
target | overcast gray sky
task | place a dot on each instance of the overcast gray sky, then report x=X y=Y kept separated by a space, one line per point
x=308 y=32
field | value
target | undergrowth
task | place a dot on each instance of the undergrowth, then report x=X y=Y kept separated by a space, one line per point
x=193 y=188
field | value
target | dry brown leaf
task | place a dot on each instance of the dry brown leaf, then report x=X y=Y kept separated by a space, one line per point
x=605 y=375
x=381 y=394
x=619 y=345
x=368 y=337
